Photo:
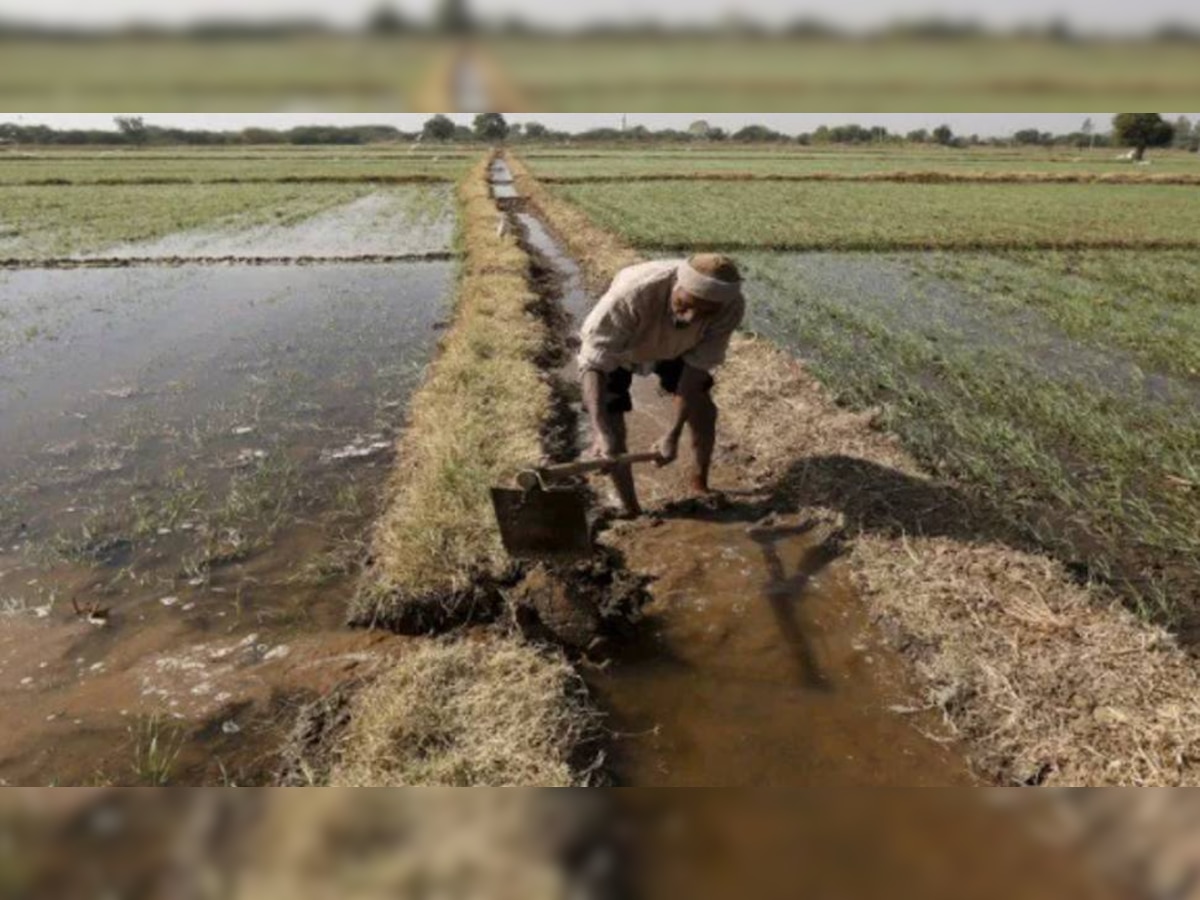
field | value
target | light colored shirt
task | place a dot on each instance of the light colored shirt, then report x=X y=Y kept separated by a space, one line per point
x=632 y=326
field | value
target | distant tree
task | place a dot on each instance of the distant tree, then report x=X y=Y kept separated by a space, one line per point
x=490 y=127
x=439 y=128
x=1142 y=130
x=535 y=131
x=699 y=129
x=919 y=136
x=757 y=133
x=386 y=19
x=1031 y=136
x=943 y=135
x=133 y=128
x=717 y=134
x=453 y=17
x=262 y=136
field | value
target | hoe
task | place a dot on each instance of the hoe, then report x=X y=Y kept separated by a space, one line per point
x=545 y=515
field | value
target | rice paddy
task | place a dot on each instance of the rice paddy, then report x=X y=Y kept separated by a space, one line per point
x=880 y=216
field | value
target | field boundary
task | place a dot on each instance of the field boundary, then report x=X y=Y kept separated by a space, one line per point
x=477 y=418
x=232 y=179
x=838 y=246
x=127 y=262
x=897 y=177
x=1044 y=680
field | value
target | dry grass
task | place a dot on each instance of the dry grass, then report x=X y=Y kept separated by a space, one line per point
x=901 y=177
x=468 y=711
x=473 y=423
x=1042 y=679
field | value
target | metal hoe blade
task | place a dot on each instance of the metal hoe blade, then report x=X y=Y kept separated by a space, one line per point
x=543 y=523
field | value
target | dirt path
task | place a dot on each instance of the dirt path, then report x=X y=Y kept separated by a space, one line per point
x=756 y=664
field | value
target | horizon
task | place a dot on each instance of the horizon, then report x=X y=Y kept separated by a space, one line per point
x=985 y=125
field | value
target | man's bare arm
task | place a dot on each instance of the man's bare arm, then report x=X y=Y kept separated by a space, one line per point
x=692 y=404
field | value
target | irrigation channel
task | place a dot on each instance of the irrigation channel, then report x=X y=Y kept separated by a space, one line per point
x=754 y=664
x=189 y=457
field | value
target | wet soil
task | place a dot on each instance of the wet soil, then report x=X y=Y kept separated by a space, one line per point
x=752 y=663
x=189 y=458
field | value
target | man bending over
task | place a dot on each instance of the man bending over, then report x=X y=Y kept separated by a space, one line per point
x=673 y=319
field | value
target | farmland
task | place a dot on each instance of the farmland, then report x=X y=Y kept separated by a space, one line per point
x=814 y=162
x=750 y=214
x=1057 y=379
x=965 y=415
x=55 y=221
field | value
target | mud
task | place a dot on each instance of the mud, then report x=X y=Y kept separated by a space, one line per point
x=753 y=663
x=189 y=458
x=397 y=221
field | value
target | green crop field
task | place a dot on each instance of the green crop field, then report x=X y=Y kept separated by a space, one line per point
x=53 y=221
x=803 y=215
x=135 y=166
x=805 y=161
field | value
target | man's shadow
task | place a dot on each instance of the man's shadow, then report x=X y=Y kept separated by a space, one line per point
x=783 y=591
x=872 y=499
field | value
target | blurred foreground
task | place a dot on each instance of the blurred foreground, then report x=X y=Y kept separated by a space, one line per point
x=532 y=844
x=654 y=71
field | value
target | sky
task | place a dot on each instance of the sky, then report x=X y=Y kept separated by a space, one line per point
x=983 y=124
x=1112 y=16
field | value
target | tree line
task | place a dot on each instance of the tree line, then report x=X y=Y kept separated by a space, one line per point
x=1137 y=130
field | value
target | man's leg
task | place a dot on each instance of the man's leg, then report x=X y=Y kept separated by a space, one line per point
x=622 y=476
x=702 y=425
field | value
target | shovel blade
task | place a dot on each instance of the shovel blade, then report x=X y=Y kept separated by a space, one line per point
x=543 y=523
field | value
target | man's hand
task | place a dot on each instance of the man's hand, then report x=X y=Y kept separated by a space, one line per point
x=667 y=449
x=600 y=449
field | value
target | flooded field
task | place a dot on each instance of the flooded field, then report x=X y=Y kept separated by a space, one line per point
x=131 y=220
x=188 y=458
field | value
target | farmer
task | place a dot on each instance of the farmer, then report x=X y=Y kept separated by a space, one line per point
x=671 y=318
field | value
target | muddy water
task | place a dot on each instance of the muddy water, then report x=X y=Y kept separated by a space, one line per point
x=188 y=458
x=755 y=665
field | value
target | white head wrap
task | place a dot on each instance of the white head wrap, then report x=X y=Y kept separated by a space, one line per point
x=706 y=287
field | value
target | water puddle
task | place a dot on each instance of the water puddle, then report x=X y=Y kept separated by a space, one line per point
x=188 y=459
x=755 y=664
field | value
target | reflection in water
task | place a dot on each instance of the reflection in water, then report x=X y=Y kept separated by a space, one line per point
x=784 y=591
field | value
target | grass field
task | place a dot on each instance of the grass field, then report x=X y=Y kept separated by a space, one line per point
x=281 y=165
x=1060 y=387
x=51 y=221
x=803 y=161
x=849 y=215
